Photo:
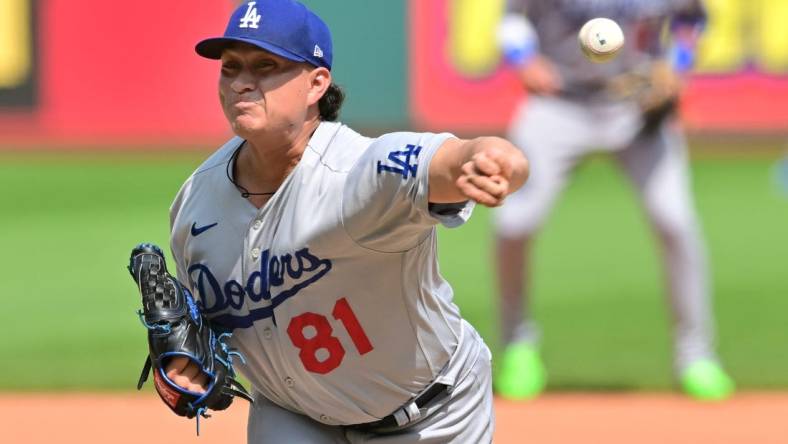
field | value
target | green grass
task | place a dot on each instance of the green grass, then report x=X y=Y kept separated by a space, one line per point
x=68 y=225
x=598 y=284
x=69 y=221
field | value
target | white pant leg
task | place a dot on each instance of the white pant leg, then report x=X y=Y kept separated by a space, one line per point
x=659 y=167
x=271 y=424
x=554 y=134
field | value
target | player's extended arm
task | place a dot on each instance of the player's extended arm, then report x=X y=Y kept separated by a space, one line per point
x=485 y=170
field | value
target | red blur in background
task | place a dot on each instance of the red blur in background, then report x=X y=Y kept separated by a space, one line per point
x=126 y=74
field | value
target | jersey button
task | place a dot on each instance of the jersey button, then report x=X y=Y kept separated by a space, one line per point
x=255 y=253
x=289 y=382
x=267 y=333
x=257 y=224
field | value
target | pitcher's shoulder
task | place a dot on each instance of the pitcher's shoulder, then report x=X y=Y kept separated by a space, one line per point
x=208 y=173
x=338 y=146
x=343 y=149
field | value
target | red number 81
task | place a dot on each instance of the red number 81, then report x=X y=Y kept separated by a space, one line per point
x=324 y=339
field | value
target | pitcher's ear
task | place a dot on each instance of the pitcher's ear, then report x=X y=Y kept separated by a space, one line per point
x=319 y=81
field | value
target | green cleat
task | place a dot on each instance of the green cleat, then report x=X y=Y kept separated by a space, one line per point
x=706 y=381
x=522 y=374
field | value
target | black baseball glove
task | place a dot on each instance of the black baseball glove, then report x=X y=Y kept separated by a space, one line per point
x=176 y=328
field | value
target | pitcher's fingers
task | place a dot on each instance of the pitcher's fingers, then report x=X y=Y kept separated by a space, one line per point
x=176 y=366
x=475 y=194
x=191 y=371
x=469 y=169
x=502 y=161
x=486 y=165
x=180 y=380
x=199 y=383
x=494 y=186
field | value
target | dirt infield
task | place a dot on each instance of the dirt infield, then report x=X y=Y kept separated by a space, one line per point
x=555 y=418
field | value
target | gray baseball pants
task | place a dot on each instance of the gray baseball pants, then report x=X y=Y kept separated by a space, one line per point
x=555 y=134
x=465 y=415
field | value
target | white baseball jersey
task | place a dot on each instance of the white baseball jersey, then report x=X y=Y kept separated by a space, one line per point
x=332 y=288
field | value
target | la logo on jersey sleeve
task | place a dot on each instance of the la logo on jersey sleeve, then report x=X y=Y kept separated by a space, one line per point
x=404 y=162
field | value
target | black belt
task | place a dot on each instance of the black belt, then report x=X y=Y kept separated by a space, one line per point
x=422 y=400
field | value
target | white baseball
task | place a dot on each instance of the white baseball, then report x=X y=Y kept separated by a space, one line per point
x=601 y=39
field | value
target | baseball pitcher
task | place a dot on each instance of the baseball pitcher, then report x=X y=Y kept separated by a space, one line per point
x=314 y=247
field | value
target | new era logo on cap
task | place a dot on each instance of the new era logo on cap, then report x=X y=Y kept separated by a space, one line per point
x=290 y=30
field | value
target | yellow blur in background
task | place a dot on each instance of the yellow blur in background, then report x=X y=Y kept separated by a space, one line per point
x=738 y=32
x=15 y=50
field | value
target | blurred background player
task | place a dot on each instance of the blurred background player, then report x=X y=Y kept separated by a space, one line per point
x=626 y=107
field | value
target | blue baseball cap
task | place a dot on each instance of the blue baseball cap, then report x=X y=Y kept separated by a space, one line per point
x=283 y=27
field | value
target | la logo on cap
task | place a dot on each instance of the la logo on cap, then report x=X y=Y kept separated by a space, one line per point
x=251 y=18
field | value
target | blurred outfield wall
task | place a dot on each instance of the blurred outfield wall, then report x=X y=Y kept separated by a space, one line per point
x=97 y=71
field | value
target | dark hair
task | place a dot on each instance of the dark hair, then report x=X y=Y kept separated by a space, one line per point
x=331 y=102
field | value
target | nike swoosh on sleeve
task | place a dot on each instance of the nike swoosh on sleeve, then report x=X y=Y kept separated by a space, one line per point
x=198 y=231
